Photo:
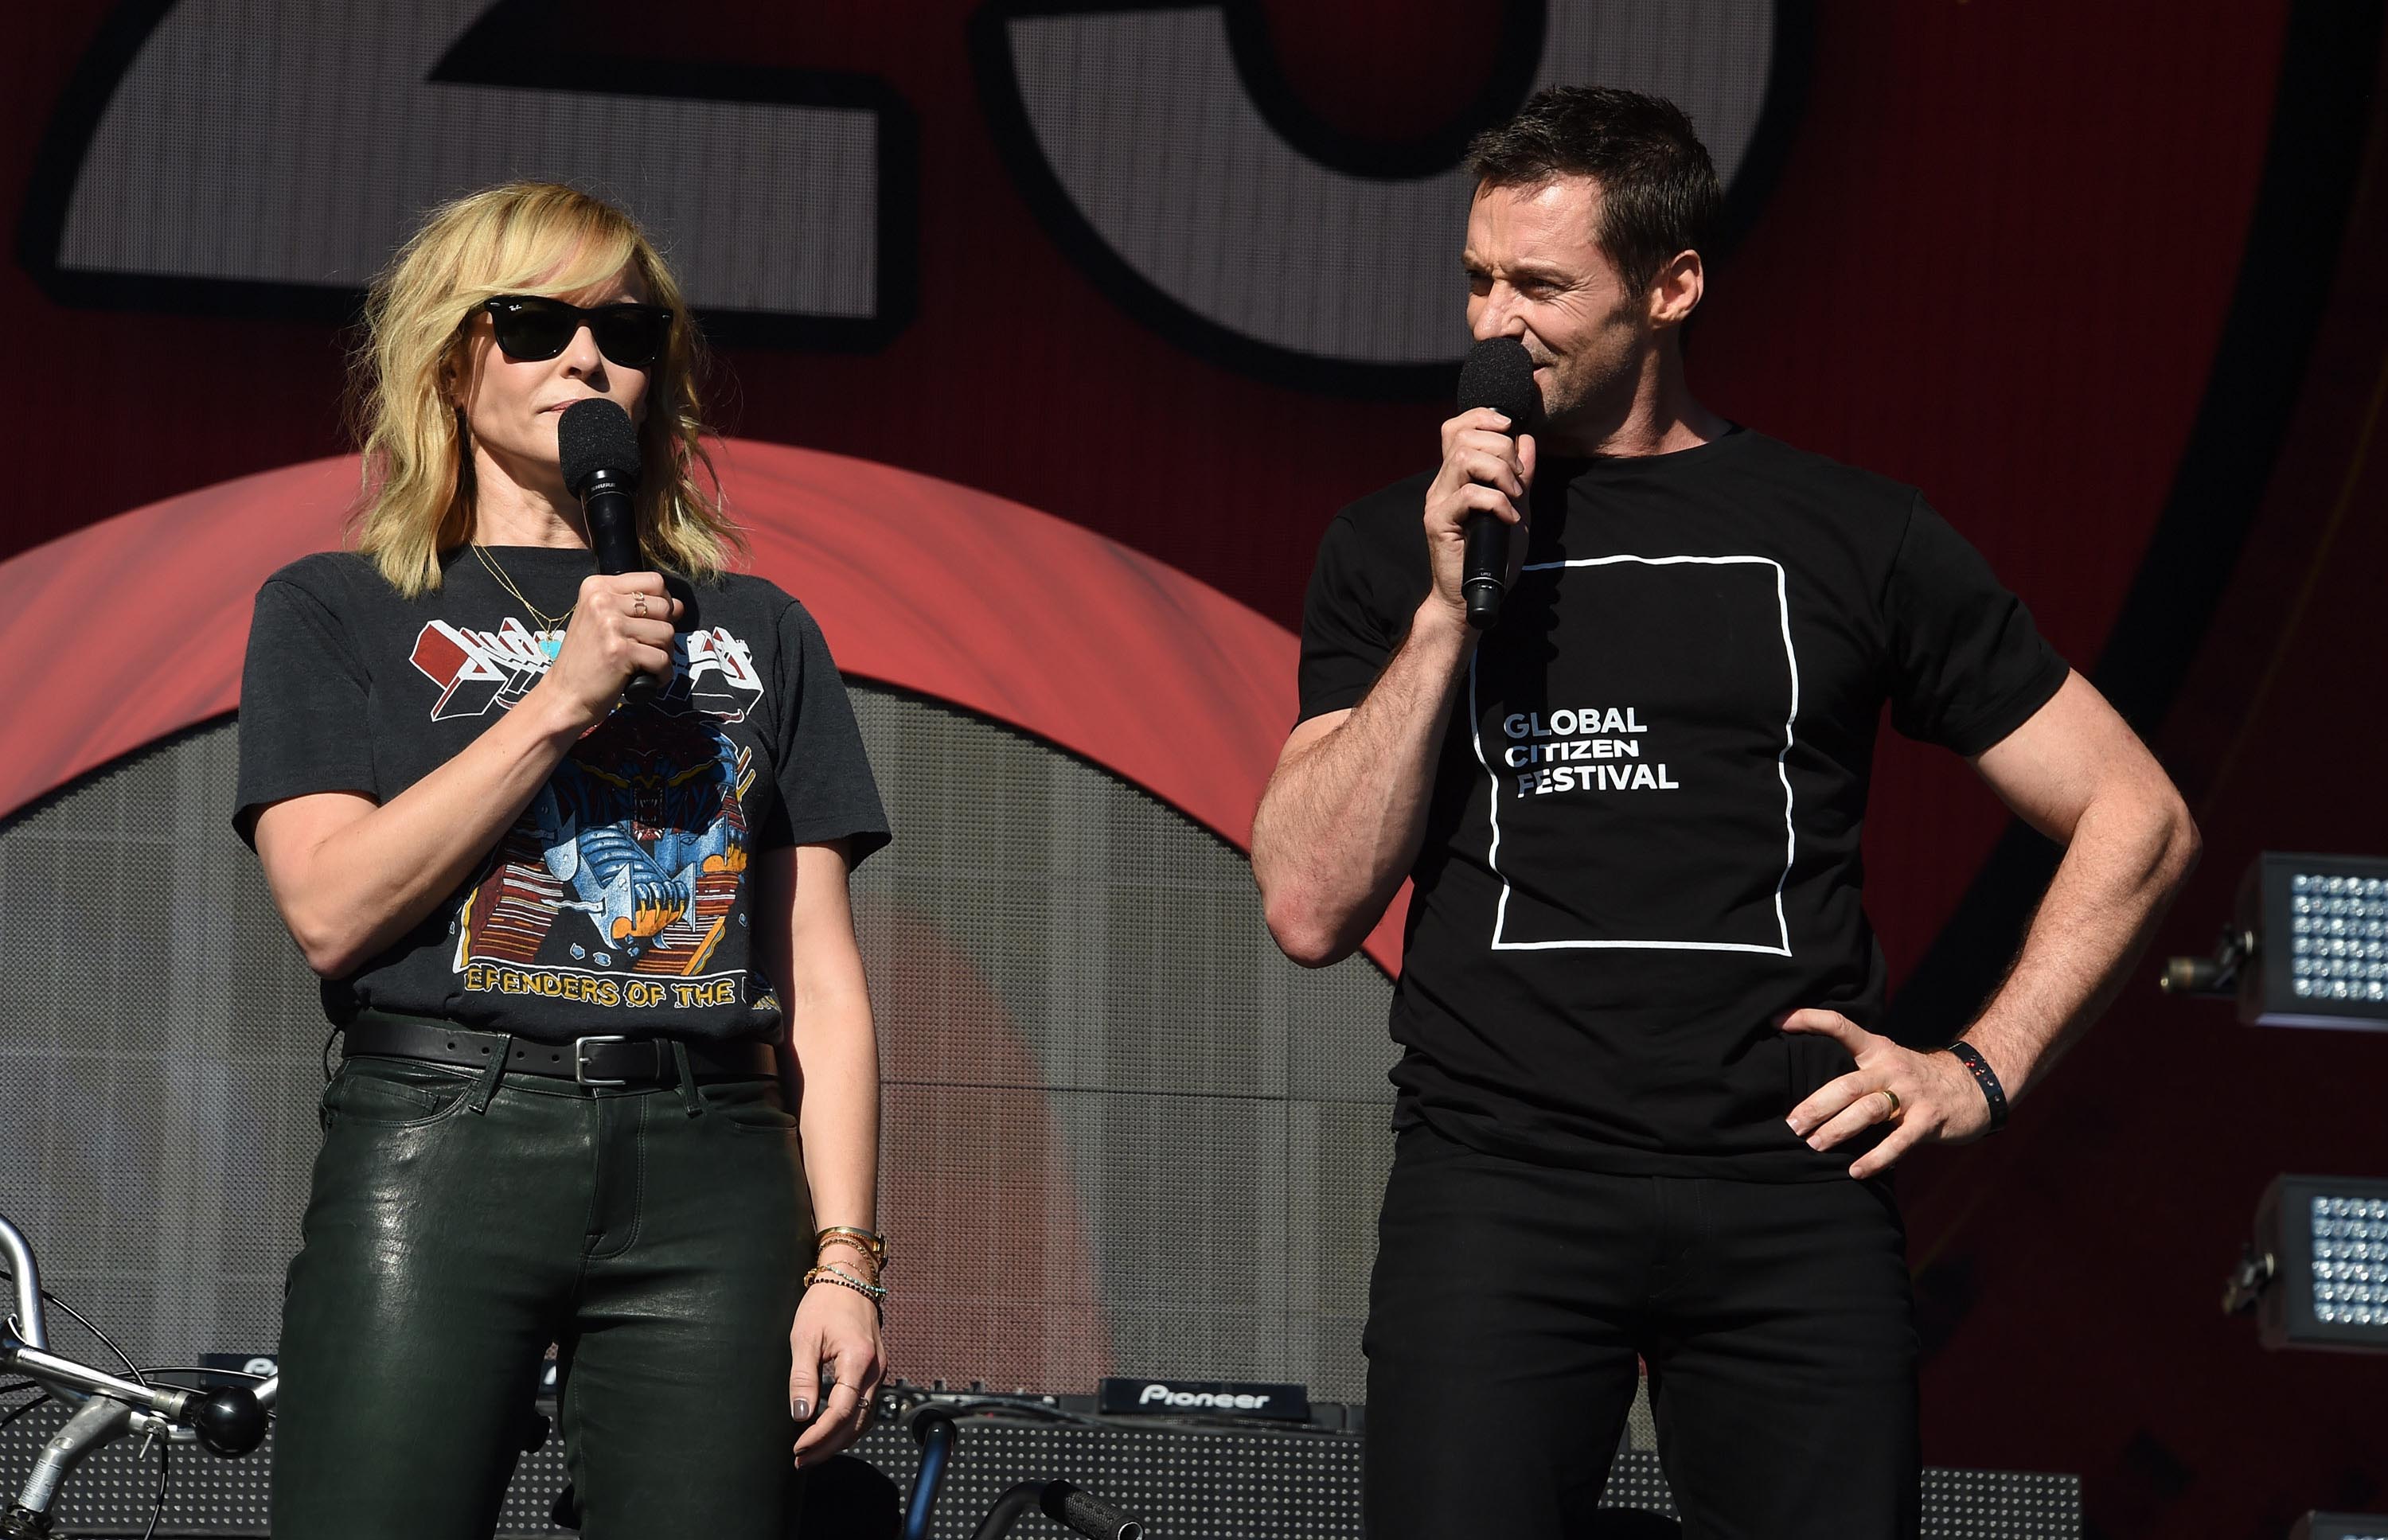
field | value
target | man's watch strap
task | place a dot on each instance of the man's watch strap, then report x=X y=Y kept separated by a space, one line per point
x=1984 y=1077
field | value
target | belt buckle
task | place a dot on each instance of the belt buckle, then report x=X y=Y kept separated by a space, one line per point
x=581 y=1074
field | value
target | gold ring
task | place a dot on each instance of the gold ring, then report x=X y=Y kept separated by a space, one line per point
x=1893 y=1102
x=640 y=605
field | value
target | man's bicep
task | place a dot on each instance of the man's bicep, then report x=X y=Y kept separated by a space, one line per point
x=2066 y=755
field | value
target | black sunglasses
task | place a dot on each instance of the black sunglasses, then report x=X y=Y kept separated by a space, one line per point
x=532 y=327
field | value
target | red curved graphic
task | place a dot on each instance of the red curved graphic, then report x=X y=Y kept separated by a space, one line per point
x=134 y=628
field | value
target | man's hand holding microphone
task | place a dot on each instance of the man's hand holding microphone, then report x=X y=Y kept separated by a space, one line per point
x=1480 y=493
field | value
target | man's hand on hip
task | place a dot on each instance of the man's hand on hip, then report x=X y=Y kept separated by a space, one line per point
x=1926 y=1098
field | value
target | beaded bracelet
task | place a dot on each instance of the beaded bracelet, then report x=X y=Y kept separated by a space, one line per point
x=839 y=1275
x=871 y=1292
x=862 y=1271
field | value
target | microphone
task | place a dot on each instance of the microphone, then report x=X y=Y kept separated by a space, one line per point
x=599 y=452
x=1499 y=374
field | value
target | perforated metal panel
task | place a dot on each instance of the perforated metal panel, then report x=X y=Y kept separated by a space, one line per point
x=1122 y=1133
x=1185 y=1485
x=1105 y=1084
x=160 y=1044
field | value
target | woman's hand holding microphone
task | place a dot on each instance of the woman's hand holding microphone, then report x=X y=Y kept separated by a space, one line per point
x=621 y=626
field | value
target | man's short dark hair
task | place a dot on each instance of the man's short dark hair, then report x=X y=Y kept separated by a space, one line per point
x=1658 y=193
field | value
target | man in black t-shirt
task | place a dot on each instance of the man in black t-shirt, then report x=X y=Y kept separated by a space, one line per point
x=1638 y=983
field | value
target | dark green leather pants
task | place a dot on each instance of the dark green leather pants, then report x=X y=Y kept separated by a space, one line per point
x=461 y=1222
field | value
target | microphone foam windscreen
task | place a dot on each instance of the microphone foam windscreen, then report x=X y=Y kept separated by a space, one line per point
x=596 y=435
x=1499 y=373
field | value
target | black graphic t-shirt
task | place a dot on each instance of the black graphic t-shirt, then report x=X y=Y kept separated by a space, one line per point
x=618 y=901
x=1642 y=844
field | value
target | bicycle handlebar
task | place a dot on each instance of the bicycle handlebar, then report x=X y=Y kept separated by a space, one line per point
x=1079 y=1510
x=1072 y=1507
x=28 y=1287
x=229 y=1420
x=932 y=1429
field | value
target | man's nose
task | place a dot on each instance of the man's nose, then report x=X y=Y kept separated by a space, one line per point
x=1498 y=316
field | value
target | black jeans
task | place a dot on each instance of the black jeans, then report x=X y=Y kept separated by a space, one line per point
x=1510 y=1300
x=458 y=1223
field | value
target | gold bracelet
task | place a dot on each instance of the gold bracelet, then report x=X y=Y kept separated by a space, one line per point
x=869 y=1240
x=863 y=1261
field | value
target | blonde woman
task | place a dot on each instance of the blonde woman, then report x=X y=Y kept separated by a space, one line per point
x=564 y=933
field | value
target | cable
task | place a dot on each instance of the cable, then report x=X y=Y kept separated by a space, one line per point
x=106 y=1341
x=201 y=1368
x=165 y=1469
x=130 y=1367
x=1003 y=1407
x=958 y=1406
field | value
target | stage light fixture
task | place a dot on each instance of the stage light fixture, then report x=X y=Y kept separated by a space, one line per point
x=2307 y=947
x=2315 y=1272
x=2341 y=1526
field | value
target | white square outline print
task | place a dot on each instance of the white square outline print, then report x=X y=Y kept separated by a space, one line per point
x=1782 y=768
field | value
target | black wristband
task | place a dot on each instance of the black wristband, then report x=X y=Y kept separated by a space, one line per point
x=1992 y=1093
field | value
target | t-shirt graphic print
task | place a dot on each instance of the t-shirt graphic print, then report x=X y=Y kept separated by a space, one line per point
x=629 y=860
x=1633 y=714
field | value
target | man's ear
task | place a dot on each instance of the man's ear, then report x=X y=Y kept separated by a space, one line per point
x=1675 y=292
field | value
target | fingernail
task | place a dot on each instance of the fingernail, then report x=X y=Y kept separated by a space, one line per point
x=1813 y=1146
x=1794 y=1124
x=801 y=1409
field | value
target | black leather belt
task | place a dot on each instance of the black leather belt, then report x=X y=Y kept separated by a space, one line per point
x=603 y=1060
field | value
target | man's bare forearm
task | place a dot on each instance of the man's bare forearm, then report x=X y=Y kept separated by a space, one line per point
x=2125 y=861
x=1343 y=815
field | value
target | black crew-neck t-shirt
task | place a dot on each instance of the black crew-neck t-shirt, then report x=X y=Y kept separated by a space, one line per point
x=1642 y=847
x=619 y=903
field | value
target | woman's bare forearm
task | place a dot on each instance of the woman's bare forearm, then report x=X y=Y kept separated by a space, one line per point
x=807 y=940
x=837 y=1058
x=1344 y=813
x=350 y=878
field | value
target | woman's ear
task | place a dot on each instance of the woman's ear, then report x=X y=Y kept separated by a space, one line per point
x=455 y=364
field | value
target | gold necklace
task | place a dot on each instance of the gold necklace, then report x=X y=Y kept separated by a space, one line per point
x=546 y=622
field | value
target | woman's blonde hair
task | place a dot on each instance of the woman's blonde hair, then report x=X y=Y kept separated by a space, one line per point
x=522 y=237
